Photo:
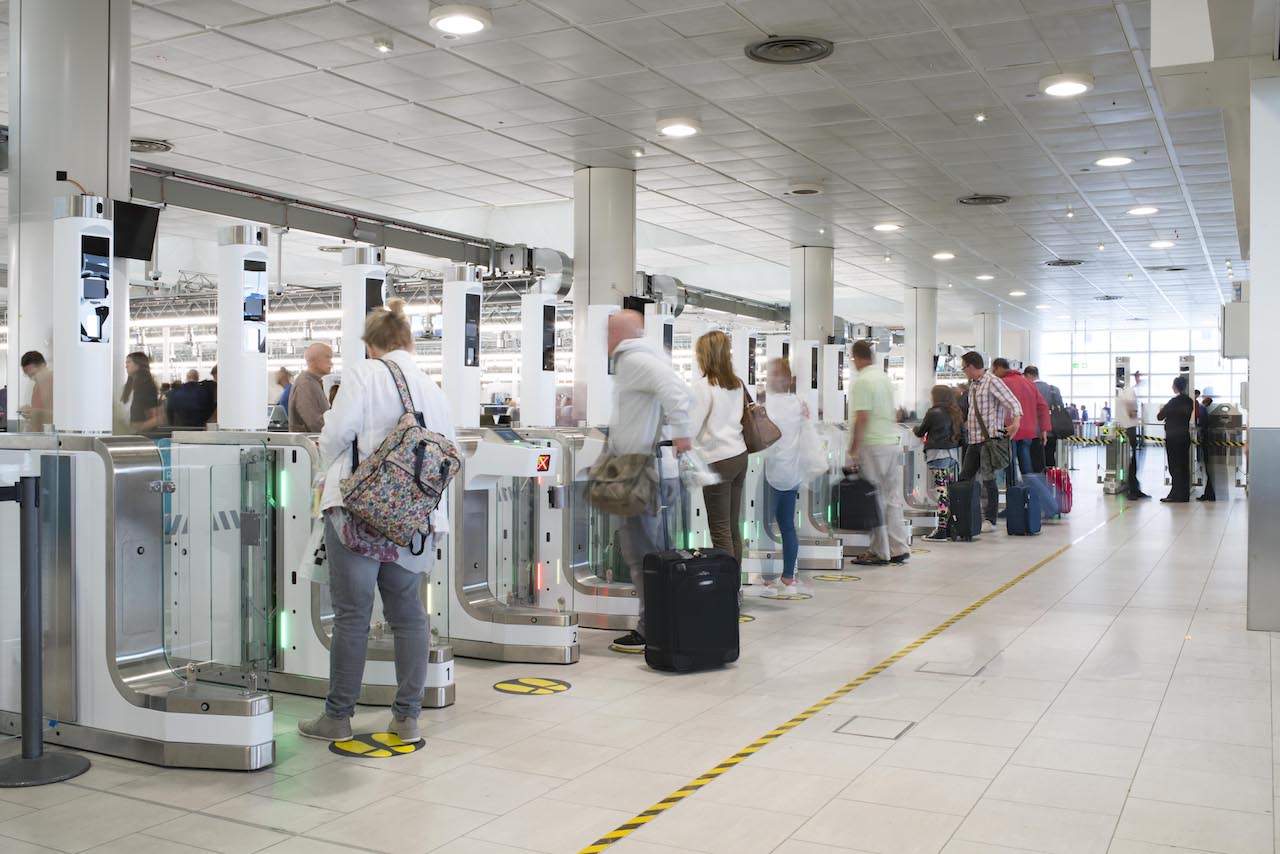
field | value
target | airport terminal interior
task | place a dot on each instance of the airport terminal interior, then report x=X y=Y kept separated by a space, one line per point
x=981 y=567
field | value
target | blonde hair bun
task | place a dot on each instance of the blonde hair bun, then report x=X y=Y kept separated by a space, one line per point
x=396 y=307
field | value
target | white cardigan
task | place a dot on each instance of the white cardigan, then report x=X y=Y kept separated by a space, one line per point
x=716 y=413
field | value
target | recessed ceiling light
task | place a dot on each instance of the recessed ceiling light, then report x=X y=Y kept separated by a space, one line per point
x=822 y=231
x=1144 y=210
x=1129 y=278
x=1101 y=246
x=1113 y=161
x=1162 y=244
x=886 y=226
x=679 y=127
x=943 y=256
x=985 y=277
x=1043 y=307
x=1017 y=293
x=460 y=19
x=887 y=257
x=1070 y=213
x=1066 y=85
x=979 y=117
x=382 y=44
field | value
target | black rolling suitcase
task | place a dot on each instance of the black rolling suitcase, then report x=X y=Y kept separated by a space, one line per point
x=857 y=507
x=690 y=604
x=964 y=509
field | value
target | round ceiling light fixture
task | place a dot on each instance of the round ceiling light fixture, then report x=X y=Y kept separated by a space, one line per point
x=383 y=44
x=1017 y=293
x=789 y=50
x=1144 y=210
x=1043 y=307
x=1162 y=244
x=1116 y=160
x=985 y=277
x=804 y=188
x=943 y=256
x=1066 y=85
x=886 y=226
x=460 y=19
x=679 y=127
x=150 y=146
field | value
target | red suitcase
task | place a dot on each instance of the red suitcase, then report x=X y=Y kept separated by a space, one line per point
x=1060 y=480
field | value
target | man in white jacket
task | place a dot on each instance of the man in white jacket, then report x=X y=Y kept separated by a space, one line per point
x=644 y=388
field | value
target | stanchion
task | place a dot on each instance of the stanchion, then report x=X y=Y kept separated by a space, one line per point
x=34 y=767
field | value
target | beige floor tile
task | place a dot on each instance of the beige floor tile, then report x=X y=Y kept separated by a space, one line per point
x=467 y=845
x=1221 y=831
x=133 y=844
x=843 y=761
x=482 y=789
x=85 y=822
x=1083 y=757
x=10 y=810
x=272 y=813
x=486 y=730
x=879 y=828
x=1038 y=828
x=720 y=828
x=970 y=730
x=550 y=757
x=923 y=790
x=1130 y=846
x=341 y=787
x=554 y=708
x=617 y=787
x=669 y=755
x=1063 y=789
x=194 y=790
x=302 y=845
x=623 y=733
x=215 y=834
x=1093 y=730
x=43 y=797
x=1196 y=755
x=784 y=793
x=400 y=826
x=947 y=757
x=438 y=756
x=552 y=827
x=1203 y=788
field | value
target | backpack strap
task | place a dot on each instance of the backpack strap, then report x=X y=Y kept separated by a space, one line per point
x=406 y=400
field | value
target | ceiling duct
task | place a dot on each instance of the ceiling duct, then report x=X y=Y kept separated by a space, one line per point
x=552 y=268
x=983 y=200
x=669 y=290
x=1064 y=262
x=1168 y=268
x=1107 y=298
x=789 y=50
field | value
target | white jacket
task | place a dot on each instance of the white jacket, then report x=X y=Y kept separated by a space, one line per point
x=717 y=416
x=367 y=408
x=782 y=467
x=644 y=387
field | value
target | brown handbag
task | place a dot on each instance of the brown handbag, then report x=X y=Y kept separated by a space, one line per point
x=757 y=430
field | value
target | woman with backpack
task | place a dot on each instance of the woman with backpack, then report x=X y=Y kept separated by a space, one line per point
x=942 y=429
x=368 y=409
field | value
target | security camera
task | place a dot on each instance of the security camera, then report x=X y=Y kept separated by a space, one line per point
x=154 y=275
x=277 y=289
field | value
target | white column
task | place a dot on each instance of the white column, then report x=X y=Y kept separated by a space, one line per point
x=364 y=281
x=1264 y=347
x=242 y=327
x=986 y=334
x=920 y=311
x=604 y=264
x=812 y=293
x=68 y=110
x=538 y=360
x=460 y=345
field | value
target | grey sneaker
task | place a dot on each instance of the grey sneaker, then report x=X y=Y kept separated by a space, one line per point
x=326 y=728
x=407 y=729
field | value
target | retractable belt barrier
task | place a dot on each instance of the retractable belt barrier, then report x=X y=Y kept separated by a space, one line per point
x=1077 y=440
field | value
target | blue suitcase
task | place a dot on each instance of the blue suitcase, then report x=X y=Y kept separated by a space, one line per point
x=1022 y=511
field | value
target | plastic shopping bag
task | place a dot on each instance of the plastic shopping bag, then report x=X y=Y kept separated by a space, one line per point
x=314 y=564
x=813 y=452
x=694 y=471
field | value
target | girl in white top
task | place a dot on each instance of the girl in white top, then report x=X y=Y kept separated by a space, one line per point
x=783 y=471
x=716 y=414
x=365 y=412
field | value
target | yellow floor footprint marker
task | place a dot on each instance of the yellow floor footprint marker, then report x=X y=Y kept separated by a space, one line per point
x=531 y=685
x=375 y=745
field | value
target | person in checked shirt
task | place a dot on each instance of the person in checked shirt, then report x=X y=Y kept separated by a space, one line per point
x=994 y=407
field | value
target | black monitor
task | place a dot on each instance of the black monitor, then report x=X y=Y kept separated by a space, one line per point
x=135 y=230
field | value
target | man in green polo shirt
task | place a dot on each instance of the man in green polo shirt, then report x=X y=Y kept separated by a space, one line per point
x=875 y=452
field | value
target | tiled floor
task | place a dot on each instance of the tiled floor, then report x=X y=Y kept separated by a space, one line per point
x=1111 y=702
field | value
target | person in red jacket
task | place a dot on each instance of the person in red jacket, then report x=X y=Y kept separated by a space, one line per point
x=1034 y=426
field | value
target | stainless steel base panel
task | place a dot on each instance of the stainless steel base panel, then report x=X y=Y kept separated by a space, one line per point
x=515 y=653
x=217 y=757
x=810 y=563
x=370 y=695
x=615 y=622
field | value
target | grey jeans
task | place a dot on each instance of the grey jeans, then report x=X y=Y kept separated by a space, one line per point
x=641 y=535
x=352 y=580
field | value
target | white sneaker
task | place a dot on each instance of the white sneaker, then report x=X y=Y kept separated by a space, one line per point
x=793 y=588
x=764 y=588
x=988 y=527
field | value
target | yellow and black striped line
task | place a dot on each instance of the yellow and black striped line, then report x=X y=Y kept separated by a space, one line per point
x=1155 y=440
x=622 y=831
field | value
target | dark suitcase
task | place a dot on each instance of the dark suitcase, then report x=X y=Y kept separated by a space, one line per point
x=964 y=509
x=857 y=507
x=1022 y=511
x=690 y=609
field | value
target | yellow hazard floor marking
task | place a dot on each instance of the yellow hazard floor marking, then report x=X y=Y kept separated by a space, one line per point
x=837 y=578
x=919 y=551
x=745 y=618
x=531 y=685
x=375 y=745
x=622 y=831
x=627 y=650
x=789 y=597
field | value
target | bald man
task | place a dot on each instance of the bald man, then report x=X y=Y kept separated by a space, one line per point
x=308 y=402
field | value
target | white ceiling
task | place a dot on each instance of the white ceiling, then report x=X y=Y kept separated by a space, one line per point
x=291 y=95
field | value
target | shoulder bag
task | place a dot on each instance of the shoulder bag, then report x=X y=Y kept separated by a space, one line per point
x=757 y=430
x=996 y=451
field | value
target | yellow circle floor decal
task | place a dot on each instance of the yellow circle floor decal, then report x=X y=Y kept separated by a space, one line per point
x=531 y=685
x=837 y=578
x=919 y=551
x=745 y=618
x=789 y=597
x=375 y=745
x=629 y=650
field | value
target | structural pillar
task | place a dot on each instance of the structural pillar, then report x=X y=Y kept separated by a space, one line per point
x=364 y=282
x=986 y=334
x=1264 y=348
x=242 y=327
x=813 y=287
x=68 y=111
x=920 y=310
x=604 y=264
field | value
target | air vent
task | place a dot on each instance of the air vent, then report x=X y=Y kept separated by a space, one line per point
x=1064 y=262
x=983 y=200
x=150 y=146
x=789 y=50
x=805 y=188
x=1167 y=269
x=1107 y=298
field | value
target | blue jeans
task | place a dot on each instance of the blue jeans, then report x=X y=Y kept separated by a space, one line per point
x=782 y=507
x=1035 y=482
x=352 y=579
